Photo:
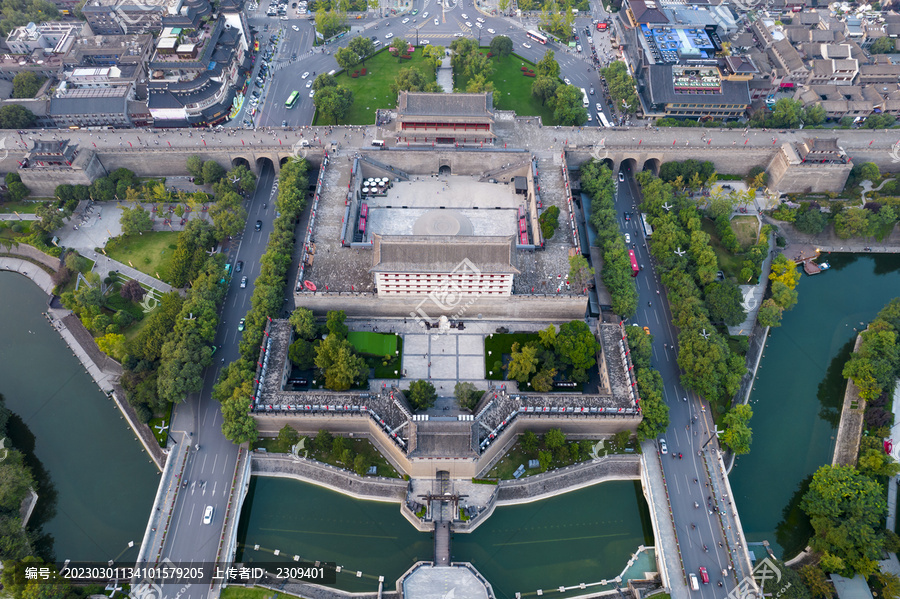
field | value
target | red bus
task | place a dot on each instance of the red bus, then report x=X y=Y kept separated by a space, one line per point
x=362 y=225
x=523 y=238
x=522 y=226
x=601 y=26
x=364 y=210
x=635 y=269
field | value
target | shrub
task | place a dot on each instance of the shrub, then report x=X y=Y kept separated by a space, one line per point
x=530 y=74
x=363 y=72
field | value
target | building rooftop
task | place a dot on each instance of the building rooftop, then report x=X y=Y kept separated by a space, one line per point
x=662 y=89
x=420 y=104
x=444 y=254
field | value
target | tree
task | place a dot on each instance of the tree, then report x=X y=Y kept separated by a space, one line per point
x=811 y=221
x=363 y=47
x=302 y=352
x=26 y=84
x=738 y=435
x=580 y=273
x=304 y=322
x=547 y=66
x=503 y=5
x=325 y=80
x=335 y=324
x=576 y=345
x=135 y=220
x=409 y=79
x=814 y=579
x=398 y=46
x=529 y=442
x=466 y=395
x=852 y=222
x=421 y=395
x=545 y=458
x=288 y=436
x=846 y=510
x=228 y=215
x=554 y=439
x=333 y=102
x=522 y=363
x=15 y=480
x=323 y=441
x=869 y=171
x=132 y=291
x=567 y=105
x=723 y=299
x=769 y=314
x=212 y=171
x=194 y=166
x=883 y=45
x=654 y=408
x=342 y=367
x=16 y=116
x=361 y=464
x=542 y=382
x=814 y=114
x=238 y=425
x=544 y=88
x=501 y=46
x=329 y=22
x=434 y=55
x=346 y=58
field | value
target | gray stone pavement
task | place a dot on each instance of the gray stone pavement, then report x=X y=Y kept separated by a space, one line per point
x=895 y=453
x=668 y=551
x=19 y=216
x=28 y=269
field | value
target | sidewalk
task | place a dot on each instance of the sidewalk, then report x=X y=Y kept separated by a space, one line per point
x=166 y=495
x=753 y=294
x=668 y=552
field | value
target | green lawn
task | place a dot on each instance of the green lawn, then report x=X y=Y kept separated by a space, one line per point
x=746 y=228
x=512 y=89
x=21 y=207
x=373 y=91
x=391 y=369
x=23 y=226
x=242 y=592
x=161 y=436
x=729 y=263
x=149 y=253
x=500 y=345
x=357 y=446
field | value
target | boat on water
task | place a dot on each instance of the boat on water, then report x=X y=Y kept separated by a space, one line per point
x=824 y=266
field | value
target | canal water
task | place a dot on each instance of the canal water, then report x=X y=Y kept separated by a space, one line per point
x=97 y=483
x=799 y=391
x=584 y=536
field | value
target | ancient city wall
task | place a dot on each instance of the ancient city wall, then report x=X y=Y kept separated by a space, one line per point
x=550 y=308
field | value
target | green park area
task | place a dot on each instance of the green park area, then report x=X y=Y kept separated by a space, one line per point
x=149 y=253
x=23 y=207
x=372 y=91
x=512 y=88
x=242 y=592
x=383 y=352
x=498 y=347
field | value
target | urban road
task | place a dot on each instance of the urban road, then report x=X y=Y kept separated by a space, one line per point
x=212 y=458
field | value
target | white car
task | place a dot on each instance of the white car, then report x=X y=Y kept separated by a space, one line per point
x=458 y=34
x=309 y=84
x=405 y=21
x=627 y=238
x=304 y=75
x=284 y=18
x=207 y=515
x=295 y=28
x=599 y=108
x=425 y=42
x=491 y=31
x=567 y=82
x=312 y=93
x=436 y=22
x=480 y=20
x=468 y=24
x=389 y=36
x=590 y=118
x=425 y=15
x=465 y=16
x=526 y=45
x=479 y=25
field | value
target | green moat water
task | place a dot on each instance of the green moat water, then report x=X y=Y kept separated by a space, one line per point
x=584 y=536
x=97 y=483
x=799 y=391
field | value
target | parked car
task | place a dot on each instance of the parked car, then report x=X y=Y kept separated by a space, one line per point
x=664 y=449
x=239 y=266
x=243 y=282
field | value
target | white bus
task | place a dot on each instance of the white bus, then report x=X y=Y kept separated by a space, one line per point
x=603 y=120
x=584 y=97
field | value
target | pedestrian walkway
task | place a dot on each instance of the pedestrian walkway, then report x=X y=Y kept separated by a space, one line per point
x=19 y=216
x=34 y=272
x=895 y=452
x=104 y=265
x=753 y=294
x=668 y=552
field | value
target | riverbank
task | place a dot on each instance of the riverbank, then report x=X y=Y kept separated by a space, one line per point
x=104 y=370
